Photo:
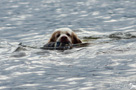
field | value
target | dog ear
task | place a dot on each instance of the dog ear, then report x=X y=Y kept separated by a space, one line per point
x=52 y=39
x=75 y=39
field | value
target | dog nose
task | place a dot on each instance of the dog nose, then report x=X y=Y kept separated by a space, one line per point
x=64 y=38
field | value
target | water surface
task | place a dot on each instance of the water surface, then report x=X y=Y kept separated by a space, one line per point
x=108 y=63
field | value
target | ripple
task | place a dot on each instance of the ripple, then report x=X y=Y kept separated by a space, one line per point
x=107 y=63
x=20 y=17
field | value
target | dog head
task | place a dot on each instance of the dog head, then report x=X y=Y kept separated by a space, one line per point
x=64 y=35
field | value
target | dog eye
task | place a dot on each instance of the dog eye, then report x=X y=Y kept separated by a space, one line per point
x=68 y=34
x=58 y=35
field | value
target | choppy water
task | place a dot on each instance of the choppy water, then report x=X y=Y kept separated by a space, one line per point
x=109 y=63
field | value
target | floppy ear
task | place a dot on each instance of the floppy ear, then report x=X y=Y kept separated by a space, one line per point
x=52 y=38
x=75 y=39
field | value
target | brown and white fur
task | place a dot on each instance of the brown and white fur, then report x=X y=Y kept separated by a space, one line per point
x=64 y=35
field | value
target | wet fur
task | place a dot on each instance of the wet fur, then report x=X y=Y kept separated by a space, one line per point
x=73 y=37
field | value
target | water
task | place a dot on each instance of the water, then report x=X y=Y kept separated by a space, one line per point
x=108 y=63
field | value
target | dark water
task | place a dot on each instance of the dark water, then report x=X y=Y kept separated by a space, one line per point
x=107 y=64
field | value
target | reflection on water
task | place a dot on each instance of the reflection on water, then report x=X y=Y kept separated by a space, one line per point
x=107 y=63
